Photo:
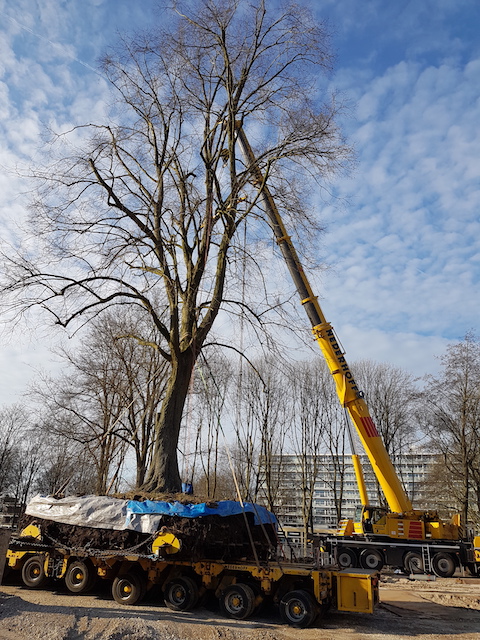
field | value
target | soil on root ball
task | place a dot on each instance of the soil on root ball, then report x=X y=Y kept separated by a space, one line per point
x=209 y=537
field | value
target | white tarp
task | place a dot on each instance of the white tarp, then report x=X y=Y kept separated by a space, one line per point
x=100 y=512
x=144 y=522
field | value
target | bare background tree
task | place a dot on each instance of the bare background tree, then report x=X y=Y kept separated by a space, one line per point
x=203 y=442
x=263 y=417
x=105 y=404
x=145 y=212
x=319 y=435
x=452 y=422
x=392 y=396
x=21 y=456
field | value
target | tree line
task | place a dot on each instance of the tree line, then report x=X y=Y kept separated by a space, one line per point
x=144 y=230
x=91 y=429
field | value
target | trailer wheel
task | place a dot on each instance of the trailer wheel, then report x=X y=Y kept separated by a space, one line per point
x=181 y=594
x=80 y=577
x=371 y=559
x=299 y=609
x=413 y=563
x=443 y=565
x=347 y=558
x=238 y=601
x=129 y=588
x=33 y=572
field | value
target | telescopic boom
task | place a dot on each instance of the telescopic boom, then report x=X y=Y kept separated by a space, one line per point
x=348 y=392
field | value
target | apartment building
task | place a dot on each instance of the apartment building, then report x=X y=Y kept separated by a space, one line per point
x=330 y=481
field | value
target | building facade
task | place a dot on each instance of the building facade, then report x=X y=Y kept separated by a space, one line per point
x=328 y=484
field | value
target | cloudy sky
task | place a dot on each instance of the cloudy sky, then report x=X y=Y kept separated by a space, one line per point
x=402 y=240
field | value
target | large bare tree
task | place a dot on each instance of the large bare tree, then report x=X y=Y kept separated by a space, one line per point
x=146 y=209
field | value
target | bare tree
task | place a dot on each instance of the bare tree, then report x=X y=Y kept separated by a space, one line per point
x=263 y=417
x=452 y=417
x=204 y=438
x=15 y=423
x=21 y=454
x=392 y=397
x=147 y=210
x=334 y=434
x=9 y=433
x=106 y=401
x=317 y=431
x=65 y=465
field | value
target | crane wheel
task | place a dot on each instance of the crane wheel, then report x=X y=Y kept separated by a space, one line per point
x=371 y=559
x=347 y=558
x=413 y=563
x=443 y=565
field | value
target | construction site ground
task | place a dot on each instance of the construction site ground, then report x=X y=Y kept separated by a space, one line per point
x=442 y=609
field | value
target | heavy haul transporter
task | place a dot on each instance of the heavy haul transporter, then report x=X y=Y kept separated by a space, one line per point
x=301 y=591
x=397 y=535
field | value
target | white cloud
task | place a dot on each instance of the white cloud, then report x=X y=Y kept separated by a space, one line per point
x=404 y=250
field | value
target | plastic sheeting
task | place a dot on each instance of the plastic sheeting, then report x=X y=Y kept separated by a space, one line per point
x=102 y=512
x=147 y=516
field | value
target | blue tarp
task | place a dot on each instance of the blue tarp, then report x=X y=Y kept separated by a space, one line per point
x=222 y=508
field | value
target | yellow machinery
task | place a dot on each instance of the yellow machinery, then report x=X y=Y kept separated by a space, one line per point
x=400 y=521
x=476 y=546
x=302 y=592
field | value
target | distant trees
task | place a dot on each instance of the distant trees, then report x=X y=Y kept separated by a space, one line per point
x=317 y=429
x=452 y=421
x=21 y=452
x=104 y=408
x=392 y=396
x=263 y=418
x=202 y=444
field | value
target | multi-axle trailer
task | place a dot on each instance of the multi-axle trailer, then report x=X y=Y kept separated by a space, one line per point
x=302 y=592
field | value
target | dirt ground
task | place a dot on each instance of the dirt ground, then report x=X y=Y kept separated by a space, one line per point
x=444 y=609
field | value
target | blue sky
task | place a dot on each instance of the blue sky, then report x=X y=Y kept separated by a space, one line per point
x=402 y=241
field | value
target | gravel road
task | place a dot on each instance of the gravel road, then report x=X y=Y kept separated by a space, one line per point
x=441 y=610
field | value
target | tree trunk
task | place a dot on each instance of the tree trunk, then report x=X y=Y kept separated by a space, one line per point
x=163 y=475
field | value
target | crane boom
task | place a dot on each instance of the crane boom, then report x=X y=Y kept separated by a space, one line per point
x=348 y=392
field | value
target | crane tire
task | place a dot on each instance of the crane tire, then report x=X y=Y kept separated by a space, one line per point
x=181 y=594
x=346 y=558
x=371 y=559
x=238 y=601
x=443 y=565
x=413 y=562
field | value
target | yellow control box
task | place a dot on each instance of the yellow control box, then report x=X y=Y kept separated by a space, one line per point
x=357 y=590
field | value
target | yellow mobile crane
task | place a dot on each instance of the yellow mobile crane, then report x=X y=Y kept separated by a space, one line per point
x=398 y=535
